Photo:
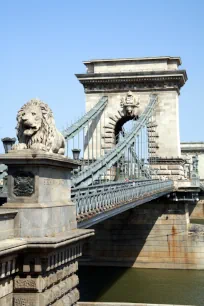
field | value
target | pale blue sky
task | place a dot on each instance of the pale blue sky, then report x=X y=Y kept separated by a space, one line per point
x=43 y=44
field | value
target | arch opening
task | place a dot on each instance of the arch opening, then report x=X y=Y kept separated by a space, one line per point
x=121 y=123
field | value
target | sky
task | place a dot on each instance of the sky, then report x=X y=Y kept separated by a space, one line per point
x=43 y=44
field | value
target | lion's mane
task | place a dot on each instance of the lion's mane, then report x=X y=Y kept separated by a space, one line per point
x=45 y=134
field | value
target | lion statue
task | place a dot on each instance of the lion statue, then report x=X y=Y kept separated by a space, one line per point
x=36 y=129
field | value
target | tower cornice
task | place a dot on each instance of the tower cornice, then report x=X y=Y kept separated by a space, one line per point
x=157 y=80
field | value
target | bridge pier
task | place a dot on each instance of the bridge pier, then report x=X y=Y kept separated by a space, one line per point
x=153 y=235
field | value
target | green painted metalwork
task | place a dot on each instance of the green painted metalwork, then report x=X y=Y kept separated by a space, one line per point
x=75 y=128
x=95 y=200
x=100 y=166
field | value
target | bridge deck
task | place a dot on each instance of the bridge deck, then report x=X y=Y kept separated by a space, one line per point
x=100 y=202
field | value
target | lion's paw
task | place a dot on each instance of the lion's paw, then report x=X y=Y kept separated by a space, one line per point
x=19 y=146
x=61 y=151
x=38 y=146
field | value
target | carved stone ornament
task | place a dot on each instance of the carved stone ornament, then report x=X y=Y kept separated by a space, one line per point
x=36 y=129
x=129 y=104
x=24 y=184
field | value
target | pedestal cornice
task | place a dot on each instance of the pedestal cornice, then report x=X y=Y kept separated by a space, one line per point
x=31 y=157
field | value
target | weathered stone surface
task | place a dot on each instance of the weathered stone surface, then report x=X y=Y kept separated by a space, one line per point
x=7 y=220
x=7 y=300
x=28 y=300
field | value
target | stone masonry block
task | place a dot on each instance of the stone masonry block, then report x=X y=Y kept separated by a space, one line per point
x=164 y=167
x=164 y=172
x=156 y=167
x=177 y=172
x=175 y=167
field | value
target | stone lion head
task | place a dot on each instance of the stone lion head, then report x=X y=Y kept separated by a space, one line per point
x=35 y=123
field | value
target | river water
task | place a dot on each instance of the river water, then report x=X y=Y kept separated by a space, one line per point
x=108 y=284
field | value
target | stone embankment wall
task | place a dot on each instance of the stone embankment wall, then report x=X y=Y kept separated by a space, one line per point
x=153 y=235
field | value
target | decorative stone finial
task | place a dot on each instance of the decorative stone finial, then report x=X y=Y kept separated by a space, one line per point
x=36 y=129
x=129 y=104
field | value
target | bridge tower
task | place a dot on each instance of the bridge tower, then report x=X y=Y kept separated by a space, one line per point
x=128 y=84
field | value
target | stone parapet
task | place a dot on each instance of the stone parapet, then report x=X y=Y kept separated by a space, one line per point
x=42 y=271
x=50 y=277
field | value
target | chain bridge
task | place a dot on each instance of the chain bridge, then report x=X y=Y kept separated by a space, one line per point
x=120 y=169
x=123 y=191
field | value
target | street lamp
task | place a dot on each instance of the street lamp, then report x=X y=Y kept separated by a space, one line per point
x=76 y=153
x=8 y=143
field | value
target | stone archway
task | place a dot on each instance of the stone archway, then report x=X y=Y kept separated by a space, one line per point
x=130 y=110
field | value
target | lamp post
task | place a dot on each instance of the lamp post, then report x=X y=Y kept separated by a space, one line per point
x=76 y=153
x=8 y=143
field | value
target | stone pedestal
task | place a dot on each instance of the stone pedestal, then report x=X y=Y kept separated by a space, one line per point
x=40 y=242
x=39 y=187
